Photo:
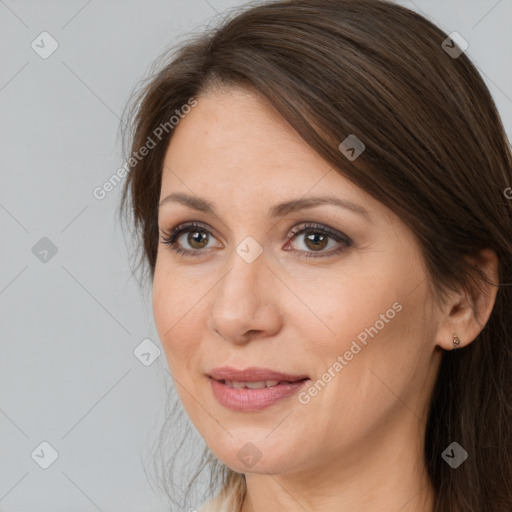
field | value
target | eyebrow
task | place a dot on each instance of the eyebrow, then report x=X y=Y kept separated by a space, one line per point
x=278 y=210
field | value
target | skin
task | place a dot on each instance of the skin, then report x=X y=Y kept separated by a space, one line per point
x=358 y=444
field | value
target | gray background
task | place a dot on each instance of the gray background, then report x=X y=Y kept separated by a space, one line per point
x=70 y=325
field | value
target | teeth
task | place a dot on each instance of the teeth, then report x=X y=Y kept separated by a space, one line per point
x=251 y=385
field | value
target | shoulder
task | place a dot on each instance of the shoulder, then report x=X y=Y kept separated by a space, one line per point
x=217 y=504
x=229 y=499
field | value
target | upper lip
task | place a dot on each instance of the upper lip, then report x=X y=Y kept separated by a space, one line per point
x=252 y=374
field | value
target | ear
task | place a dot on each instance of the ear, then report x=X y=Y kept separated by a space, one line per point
x=467 y=311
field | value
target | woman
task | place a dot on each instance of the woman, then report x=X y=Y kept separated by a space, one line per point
x=319 y=188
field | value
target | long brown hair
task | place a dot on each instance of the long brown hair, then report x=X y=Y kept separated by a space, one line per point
x=436 y=154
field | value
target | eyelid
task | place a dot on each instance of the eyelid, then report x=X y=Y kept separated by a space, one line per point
x=333 y=233
x=183 y=227
x=344 y=241
x=171 y=236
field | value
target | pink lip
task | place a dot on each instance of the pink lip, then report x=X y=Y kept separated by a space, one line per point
x=248 y=400
x=252 y=374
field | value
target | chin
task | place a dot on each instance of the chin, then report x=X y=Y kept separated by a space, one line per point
x=261 y=457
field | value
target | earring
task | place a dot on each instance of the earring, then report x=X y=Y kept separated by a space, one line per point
x=456 y=342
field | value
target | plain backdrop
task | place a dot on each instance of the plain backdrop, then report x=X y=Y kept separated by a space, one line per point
x=71 y=314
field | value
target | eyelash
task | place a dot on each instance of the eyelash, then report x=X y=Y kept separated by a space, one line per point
x=170 y=238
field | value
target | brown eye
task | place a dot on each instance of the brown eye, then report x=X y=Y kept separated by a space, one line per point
x=196 y=239
x=316 y=238
x=188 y=239
x=316 y=241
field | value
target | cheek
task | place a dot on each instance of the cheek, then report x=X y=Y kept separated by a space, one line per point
x=345 y=309
x=384 y=360
x=377 y=325
x=177 y=325
x=175 y=319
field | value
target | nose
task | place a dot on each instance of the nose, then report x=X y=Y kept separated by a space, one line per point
x=245 y=302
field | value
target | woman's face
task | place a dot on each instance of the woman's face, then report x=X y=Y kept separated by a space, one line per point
x=335 y=293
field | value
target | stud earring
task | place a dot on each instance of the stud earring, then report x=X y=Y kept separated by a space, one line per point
x=456 y=342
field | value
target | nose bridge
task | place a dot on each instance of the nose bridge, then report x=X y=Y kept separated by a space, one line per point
x=244 y=299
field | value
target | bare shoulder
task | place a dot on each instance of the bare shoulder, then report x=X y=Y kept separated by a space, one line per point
x=217 y=504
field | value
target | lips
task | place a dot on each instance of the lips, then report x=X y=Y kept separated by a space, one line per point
x=253 y=374
x=253 y=389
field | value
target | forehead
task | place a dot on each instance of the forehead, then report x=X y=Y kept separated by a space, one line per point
x=230 y=127
x=235 y=142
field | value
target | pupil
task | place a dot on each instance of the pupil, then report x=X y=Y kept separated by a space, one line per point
x=315 y=241
x=193 y=235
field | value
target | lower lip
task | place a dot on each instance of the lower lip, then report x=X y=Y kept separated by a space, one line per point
x=253 y=399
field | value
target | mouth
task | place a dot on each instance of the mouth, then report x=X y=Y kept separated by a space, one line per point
x=260 y=384
x=253 y=389
x=253 y=374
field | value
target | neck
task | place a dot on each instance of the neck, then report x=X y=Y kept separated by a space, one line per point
x=385 y=473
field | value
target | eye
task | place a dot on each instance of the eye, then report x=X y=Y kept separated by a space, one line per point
x=315 y=238
x=197 y=236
